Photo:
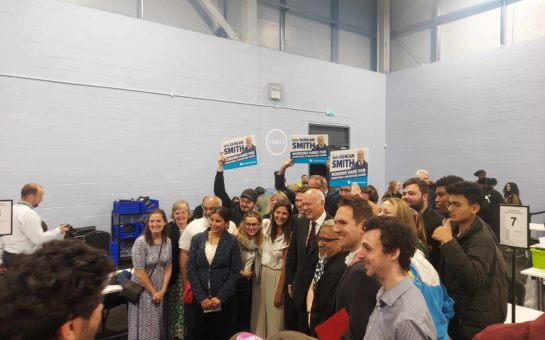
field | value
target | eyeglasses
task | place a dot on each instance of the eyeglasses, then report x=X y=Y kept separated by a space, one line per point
x=325 y=239
x=252 y=225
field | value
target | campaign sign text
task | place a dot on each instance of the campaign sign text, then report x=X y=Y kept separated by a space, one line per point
x=312 y=149
x=349 y=166
x=239 y=152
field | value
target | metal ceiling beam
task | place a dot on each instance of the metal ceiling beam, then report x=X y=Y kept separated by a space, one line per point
x=248 y=21
x=383 y=36
x=213 y=16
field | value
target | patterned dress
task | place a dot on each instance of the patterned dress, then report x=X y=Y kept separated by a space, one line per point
x=146 y=318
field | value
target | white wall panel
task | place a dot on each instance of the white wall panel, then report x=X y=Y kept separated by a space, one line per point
x=470 y=35
x=354 y=49
x=308 y=37
x=89 y=145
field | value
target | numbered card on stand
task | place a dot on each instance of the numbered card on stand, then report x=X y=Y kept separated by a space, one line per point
x=514 y=226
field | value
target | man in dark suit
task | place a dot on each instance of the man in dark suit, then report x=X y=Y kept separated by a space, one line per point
x=303 y=255
x=315 y=181
x=356 y=291
x=329 y=270
x=321 y=144
x=360 y=163
x=249 y=147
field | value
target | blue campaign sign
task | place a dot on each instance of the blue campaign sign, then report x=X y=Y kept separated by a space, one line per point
x=310 y=149
x=239 y=152
x=349 y=166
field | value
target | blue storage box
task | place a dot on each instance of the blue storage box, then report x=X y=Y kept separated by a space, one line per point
x=126 y=207
x=128 y=230
x=114 y=252
x=152 y=205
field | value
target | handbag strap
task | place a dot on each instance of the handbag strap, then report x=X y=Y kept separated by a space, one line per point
x=158 y=259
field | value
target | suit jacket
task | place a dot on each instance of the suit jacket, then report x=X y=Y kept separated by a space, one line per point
x=300 y=264
x=324 y=292
x=358 y=294
x=222 y=273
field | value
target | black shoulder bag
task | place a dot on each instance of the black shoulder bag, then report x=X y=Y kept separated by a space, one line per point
x=132 y=290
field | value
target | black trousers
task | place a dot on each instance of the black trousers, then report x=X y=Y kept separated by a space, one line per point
x=243 y=304
x=8 y=259
x=290 y=313
x=215 y=325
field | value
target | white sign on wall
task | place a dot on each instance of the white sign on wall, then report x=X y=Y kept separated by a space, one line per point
x=514 y=226
x=6 y=217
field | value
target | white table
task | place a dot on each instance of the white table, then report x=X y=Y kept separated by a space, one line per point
x=539 y=276
x=110 y=289
x=522 y=314
x=537 y=230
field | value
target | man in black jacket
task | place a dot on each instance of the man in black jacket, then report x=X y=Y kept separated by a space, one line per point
x=248 y=197
x=315 y=181
x=468 y=263
x=356 y=291
x=302 y=255
x=329 y=269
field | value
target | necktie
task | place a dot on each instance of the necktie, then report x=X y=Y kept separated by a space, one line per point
x=312 y=237
x=318 y=273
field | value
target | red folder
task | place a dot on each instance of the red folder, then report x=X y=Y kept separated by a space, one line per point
x=334 y=327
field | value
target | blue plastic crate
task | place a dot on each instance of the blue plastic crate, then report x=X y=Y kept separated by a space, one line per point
x=154 y=205
x=114 y=252
x=127 y=231
x=126 y=207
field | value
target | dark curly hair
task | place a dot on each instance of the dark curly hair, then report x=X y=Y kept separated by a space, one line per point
x=59 y=282
x=448 y=180
x=394 y=234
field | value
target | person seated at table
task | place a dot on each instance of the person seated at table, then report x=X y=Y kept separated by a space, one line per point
x=54 y=293
x=152 y=262
x=213 y=269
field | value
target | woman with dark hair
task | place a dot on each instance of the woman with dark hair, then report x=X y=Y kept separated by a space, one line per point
x=213 y=269
x=174 y=306
x=511 y=194
x=250 y=238
x=269 y=279
x=152 y=262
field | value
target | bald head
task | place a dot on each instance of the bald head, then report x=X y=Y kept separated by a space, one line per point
x=32 y=193
x=209 y=204
x=313 y=204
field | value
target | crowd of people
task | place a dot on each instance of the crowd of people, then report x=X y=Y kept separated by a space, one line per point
x=421 y=263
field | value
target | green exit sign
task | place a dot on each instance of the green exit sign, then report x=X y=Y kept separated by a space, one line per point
x=330 y=113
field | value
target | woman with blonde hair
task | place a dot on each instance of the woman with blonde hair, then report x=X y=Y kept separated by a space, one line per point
x=250 y=238
x=394 y=190
x=275 y=197
x=181 y=214
x=396 y=207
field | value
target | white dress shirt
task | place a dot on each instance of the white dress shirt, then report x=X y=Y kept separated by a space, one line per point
x=195 y=227
x=27 y=231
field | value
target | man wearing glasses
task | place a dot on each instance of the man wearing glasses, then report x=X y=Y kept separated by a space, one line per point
x=468 y=263
x=328 y=272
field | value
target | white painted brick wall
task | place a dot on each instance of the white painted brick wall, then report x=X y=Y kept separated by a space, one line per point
x=484 y=111
x=91 y=145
